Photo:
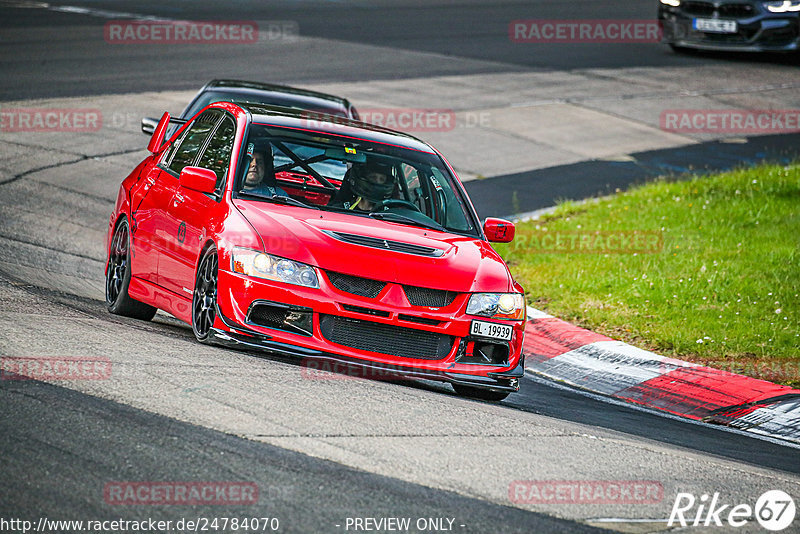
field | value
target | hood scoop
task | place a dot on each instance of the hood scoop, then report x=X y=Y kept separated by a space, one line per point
x=385 y=244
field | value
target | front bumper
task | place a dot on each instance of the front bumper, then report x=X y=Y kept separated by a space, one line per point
x=761 y=32
x=232 y=328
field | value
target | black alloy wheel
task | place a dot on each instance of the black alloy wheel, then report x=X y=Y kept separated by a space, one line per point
x=118 y=278
x=204 y=300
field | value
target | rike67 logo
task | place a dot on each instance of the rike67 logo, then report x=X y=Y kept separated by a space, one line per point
x=774 y=510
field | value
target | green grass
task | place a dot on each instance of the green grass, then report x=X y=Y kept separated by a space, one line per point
x=722 y=289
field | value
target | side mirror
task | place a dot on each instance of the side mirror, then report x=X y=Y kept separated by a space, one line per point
x=198 y=179
x=149 y=125
x=498 y=230
x=157 y=139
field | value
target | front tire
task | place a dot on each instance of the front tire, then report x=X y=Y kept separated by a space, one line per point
x=204 y=299
x=118 y=278
x=480 y=393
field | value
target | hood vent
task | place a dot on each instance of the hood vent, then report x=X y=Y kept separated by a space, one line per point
x=385 y=244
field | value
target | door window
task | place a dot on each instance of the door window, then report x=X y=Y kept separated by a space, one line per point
x=217 y=155
x=192 y=141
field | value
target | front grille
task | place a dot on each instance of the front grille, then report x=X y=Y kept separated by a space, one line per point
x=736 y=10
x=420 y=320
x=706 y=9
x=434 y=298
x=385 y=339
x=367 y=311
x=698 y=8
x=386 y=244
x=364 y=287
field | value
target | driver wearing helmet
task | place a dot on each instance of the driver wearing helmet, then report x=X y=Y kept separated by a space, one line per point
x=369 y=184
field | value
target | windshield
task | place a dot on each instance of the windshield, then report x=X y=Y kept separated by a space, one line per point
x=351 y=176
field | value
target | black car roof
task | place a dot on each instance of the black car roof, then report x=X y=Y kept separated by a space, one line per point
x=291 y=93
x=339 y=126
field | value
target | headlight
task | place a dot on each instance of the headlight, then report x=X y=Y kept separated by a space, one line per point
x=673 y=3
x=497 y=305
x=261 y=265
x=782 y=6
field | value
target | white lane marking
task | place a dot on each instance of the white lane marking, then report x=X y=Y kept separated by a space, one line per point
x=268 y=34
x=534 y=375
x=23 y=5
x=623 y=520
x=533 y=313
x=102 y=13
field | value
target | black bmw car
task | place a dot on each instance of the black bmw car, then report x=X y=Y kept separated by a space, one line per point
x=259 y=93
x=735 y=25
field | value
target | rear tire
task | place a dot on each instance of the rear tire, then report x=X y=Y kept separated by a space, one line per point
x=480 y=393
x=204 y=298
x=118 y=278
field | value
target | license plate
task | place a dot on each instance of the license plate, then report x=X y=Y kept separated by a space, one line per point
x=715 y=25
x=492 y=330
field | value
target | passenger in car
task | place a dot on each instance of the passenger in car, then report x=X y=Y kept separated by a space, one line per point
x=260 y=177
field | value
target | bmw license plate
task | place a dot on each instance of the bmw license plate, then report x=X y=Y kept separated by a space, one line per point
x=492 y=330
x=715 y=25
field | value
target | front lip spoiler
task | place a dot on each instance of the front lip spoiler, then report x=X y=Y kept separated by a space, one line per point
x=756 y=44
x=501 y=380
x=755 y=47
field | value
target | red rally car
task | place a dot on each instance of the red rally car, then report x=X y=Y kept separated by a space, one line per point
x=320 y=237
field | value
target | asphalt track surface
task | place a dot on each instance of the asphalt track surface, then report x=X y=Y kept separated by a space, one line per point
x=60 y=444
x=304 y=493
x=525 y=192
x=449 y=38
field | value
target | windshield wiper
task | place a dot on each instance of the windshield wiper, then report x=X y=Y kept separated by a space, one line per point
x=279 y=199
x=396 y=217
